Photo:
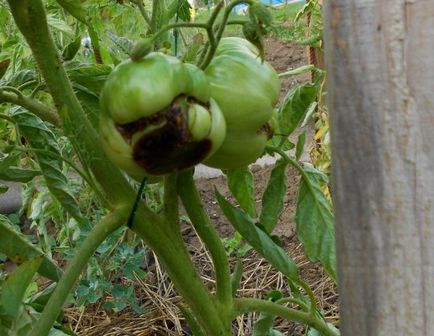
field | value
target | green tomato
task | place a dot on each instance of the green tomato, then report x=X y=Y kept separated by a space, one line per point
x=158 y=116
x=246 y=90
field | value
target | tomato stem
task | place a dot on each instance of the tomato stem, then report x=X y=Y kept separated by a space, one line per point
x=218 y=35
x=243 y=306
x=14 y=96
x=171 y=200
x=206 y=231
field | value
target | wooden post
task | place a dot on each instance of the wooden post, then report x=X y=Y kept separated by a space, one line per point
x=380 y=68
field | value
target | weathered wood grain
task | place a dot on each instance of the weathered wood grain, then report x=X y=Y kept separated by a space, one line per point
x=380 y=68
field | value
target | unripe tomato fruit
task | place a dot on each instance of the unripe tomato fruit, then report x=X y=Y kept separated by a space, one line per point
x=246 y=89
x=158 y=116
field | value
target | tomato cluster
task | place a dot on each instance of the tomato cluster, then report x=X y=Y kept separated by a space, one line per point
x=160 y=115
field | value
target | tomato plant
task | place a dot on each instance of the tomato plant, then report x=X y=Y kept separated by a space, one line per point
x=155 y=115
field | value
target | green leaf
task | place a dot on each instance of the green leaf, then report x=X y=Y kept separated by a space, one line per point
x=71 y=49
x=21 y=77
x=87 y=82
x=15 y=286
x=259 y=239
x=240 y=183
x=41 y=298
x=125 y=44
x=181 y=8
x=91 y=77
x=236 y=277
x=309 y=113
x=273 y=197
x=16 y=246
x=19 y=175
x=193 y=48
x=75 y=8
x=16 y=174
x=300 y=145
x=315 y=222
x=60 y=25
x=40 y=136
x=295 y=106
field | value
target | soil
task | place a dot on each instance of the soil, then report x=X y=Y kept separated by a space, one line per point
x=160 y=299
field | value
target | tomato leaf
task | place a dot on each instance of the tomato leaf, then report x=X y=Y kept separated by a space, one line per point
x=40 y=136
x=300 y=145
x=9 y=171
x=240 y=182
x=15 y=174
x=236 y=277
x=15 y=286
x=315 y=222
x=60 y=25
x=16 y=246
x=87 y=81
x=75 y=8
x=181 y=8
x=295 y=105
x=71 y=49
x=259 y=239
x=272 y=199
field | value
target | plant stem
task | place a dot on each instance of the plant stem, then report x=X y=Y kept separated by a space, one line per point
x=237 y=22
x=98 y=234
x=95 y=44
x=297 y=71
x=34 y=106
x=206 y=231
x=293 y=163
x=142 y=47
x=158 y=20
x=226 y=14
x=220 y=30
x=309 y=293
x=302 y=305
x=176 y=260
x=213 y=42
x=243 y=306
x=143 y=12
x=171 y=210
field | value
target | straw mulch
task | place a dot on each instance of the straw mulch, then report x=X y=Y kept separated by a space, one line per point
x=162 y=316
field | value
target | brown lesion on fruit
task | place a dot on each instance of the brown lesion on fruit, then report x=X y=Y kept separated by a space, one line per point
x=170 y=146
x=266 y=129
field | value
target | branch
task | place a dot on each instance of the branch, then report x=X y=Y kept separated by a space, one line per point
x=42 y=111
x=206 y=231
x=143 y=12
x=243 y=306
x=171 y=200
